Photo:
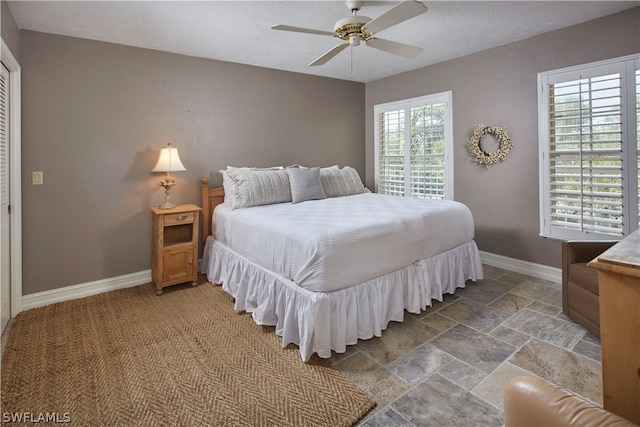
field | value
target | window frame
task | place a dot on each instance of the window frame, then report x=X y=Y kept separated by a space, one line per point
x=406 y=104
x=626 y=66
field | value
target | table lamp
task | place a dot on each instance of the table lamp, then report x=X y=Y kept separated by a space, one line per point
x=169 y=161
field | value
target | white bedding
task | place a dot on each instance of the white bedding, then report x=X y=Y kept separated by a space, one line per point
x=335 y=243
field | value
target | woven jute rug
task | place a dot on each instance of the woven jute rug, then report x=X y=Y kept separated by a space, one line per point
x=185 y=358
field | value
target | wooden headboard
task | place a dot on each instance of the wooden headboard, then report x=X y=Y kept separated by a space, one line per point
x=210 y=198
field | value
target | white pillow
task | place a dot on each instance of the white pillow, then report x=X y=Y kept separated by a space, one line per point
x=255 y=187
x=341 y=182
x=305 y=184
x=228 y=185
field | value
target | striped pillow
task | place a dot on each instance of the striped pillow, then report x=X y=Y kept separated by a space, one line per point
x=341 y=182
x=258 y=187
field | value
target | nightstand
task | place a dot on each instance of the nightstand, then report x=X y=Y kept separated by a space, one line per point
x=175 y=246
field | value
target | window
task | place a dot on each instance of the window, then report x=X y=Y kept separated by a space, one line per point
x=413 y=147
x=589 y=154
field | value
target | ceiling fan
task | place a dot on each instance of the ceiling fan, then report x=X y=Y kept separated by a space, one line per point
x=355 y=29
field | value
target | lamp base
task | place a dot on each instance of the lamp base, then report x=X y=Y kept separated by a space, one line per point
x=167 y=184
x=167 y=205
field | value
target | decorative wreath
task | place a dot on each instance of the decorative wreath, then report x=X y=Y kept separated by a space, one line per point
x=481 y=156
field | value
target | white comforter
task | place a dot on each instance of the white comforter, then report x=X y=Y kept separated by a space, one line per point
x=335 y=243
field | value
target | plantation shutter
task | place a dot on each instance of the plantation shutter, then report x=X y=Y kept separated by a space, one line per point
x=589 y=154
x=391 y=161
x=412 y=154
x=5 y=263
x=427 y=154
x=638 y=142
x=585 y=152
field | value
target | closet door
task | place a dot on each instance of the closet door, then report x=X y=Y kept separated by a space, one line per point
x=5 y=236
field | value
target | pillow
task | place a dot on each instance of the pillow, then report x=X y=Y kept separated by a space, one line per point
x=256 y=187
x=227 y=183
x=341 y=182
x=305 y=184
x=305 y=167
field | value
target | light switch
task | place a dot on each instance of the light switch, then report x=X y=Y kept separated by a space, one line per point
x=37 y=178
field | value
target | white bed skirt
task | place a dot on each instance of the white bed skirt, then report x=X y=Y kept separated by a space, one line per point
x=320 y=322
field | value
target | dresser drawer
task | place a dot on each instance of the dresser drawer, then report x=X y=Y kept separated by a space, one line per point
x=180 y=218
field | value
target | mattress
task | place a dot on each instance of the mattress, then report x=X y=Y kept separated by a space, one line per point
x=335 y=243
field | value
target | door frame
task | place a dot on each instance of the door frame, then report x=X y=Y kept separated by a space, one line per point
x=15 y=200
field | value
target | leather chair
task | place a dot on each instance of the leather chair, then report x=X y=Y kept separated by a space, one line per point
x=580 y=294
x=535 y=402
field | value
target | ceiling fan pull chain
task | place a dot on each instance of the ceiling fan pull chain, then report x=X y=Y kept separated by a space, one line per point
x=351 y=62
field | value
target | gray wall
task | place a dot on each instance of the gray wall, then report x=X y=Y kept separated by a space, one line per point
x=9 y=30
x=498 y=87
x=95 y=116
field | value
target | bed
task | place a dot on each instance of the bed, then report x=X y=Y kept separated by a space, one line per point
x=337 y=267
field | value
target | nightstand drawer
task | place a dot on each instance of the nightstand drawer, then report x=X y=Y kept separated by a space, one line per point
x=180 y=218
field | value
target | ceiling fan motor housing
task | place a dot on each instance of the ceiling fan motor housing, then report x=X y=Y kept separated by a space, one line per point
x=350 y=28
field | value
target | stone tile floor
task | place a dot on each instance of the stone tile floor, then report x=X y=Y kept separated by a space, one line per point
x=448 y=365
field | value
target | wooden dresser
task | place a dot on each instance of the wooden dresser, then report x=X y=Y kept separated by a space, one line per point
x=619 y=285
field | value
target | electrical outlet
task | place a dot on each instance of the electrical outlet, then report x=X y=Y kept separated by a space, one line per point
x=37 y=178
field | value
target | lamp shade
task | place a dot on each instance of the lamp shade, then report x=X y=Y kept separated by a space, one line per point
x=169 y=160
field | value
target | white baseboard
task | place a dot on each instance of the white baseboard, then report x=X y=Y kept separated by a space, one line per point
x=84 y=289
x=91 y=288
x=539 y=271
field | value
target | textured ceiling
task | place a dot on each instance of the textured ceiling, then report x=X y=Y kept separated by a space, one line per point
x=240 y=31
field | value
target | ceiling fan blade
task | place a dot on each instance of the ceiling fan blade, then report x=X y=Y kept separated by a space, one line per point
x=397 y=14
x=396 y=48
x=302 y=30
x=329 y=55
